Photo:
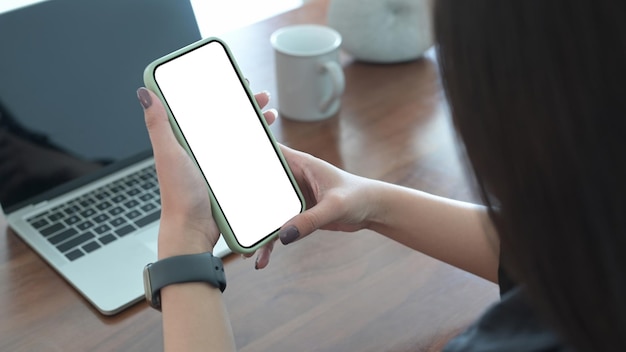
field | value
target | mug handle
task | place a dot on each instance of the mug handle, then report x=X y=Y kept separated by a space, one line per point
x=338 y=82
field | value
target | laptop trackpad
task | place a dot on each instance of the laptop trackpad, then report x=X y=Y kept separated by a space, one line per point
x=150 y=239
x=112 y=278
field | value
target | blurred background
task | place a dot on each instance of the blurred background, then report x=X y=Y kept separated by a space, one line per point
x=214 y=17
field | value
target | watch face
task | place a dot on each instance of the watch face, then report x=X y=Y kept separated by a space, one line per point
x=147 y=286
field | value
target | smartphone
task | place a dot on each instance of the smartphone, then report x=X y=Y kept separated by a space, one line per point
x=218 y=122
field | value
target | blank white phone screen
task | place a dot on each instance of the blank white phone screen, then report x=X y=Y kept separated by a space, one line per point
x=224 y=132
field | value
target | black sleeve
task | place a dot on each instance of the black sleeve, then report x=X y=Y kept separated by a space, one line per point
x=504 y=281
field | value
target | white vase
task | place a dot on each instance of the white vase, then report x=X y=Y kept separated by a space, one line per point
x=383 y=31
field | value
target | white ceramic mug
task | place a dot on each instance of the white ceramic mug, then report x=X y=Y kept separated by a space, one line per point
x=309 y=78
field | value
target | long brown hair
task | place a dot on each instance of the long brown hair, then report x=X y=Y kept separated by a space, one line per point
x=537 y=94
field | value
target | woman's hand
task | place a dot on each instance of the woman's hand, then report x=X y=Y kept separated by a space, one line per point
x=458 y=233
x=336 y=200
x=187 y=225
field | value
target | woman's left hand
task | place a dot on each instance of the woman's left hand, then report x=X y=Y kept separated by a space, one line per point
x=187 y=225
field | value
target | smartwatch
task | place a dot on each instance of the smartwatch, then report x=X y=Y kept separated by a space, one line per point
x=202 y=267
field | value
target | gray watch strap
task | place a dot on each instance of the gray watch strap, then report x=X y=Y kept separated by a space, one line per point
x=203 y=267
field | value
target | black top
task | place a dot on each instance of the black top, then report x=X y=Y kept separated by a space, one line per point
x=509 y=325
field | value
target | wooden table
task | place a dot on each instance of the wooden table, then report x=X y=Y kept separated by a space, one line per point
x=328 y=292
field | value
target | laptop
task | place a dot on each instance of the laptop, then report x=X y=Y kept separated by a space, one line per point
x=77 y=178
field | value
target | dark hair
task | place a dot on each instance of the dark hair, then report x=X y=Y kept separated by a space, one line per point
x=537 y=93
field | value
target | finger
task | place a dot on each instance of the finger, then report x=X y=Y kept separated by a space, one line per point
x=166 y=149
x=291 y=155
x=159 y=129
x=308 y=221
x=298 y=164
x=262 y=98
x=263 y=257
x=270 y=116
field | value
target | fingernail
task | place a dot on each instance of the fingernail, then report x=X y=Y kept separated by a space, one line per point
x=269 y=96
x=144 y=97
x=261 y=259
x=289 y=234
x=274 y=111
x=258 y=259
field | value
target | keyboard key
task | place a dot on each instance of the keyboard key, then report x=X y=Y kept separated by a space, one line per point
x=133 y=192
x=117 y=222
x=116 y=189
x=39 y=223
x=133 y=214
x=102 y=195
x=56 y=216
x=148 y=207
x=118 y=198
x=91 y=246
x=116 y=211
x=148 y=186
x=62 y=236
x=74 y=242
x=146 y=197
x=87 y=212
x=75 y=254
x=101 y=229
x=131 y=204
x=71 y=209
x=124 y=230
x=72 y=220
x=84 y=225
x=100 y=218
x=52 y=229
x=104 y=205
x=148 y=219
x=86 y=202
x=107 y=239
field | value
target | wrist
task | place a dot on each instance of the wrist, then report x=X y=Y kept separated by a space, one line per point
x=182 y=269
x=177 y=238
x=381 y=194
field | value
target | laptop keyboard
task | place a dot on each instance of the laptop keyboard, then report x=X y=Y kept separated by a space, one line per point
x=103 y=215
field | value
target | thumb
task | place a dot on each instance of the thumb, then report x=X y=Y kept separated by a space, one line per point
x=308 y=221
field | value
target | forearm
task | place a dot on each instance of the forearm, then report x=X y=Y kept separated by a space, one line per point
x=454 y=232
x=194 y=315
x=195 y=319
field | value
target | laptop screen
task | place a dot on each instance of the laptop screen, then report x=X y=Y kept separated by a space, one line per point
x=69 y=70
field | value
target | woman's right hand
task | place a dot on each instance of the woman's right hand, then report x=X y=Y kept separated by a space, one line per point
x=458 y=233
x=336 y=200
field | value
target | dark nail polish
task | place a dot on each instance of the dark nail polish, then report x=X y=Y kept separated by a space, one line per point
x=289 y=234
x=144 y=97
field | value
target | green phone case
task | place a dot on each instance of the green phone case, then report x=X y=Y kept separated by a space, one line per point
x=218 y=215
